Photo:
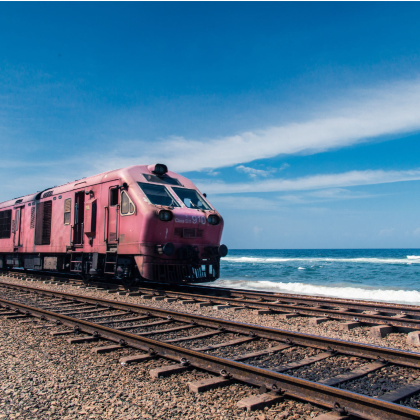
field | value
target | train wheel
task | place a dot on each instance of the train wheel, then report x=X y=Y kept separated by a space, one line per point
x=128 y=282
x=84 y=278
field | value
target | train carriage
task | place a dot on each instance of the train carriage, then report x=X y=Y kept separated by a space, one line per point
x=141 y=222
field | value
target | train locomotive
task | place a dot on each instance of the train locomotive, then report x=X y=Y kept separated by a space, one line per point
x=142 y=222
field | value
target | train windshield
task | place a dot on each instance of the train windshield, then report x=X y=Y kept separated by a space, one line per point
x=158 y=195
x=191 y=198
x=162 y=179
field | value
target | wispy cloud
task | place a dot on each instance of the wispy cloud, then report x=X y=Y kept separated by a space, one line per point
x=288 y=202
x=331 y=194
x=247 y=203
x=352 y=119
x=314 y=182
x=254 y=173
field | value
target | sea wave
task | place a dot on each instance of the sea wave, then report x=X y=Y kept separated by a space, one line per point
x=411 y=259
x=411 y=297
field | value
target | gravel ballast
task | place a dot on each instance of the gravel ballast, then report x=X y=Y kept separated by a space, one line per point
x=47 y=378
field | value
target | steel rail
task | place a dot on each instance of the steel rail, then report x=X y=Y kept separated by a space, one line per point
x=304 y=310
x=333 y=398
x=319 y=301
x=375 y=319
x=314 y=300
x=281 y=298
x=367 y=351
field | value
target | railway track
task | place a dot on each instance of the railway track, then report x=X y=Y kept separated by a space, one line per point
x=350 y=378
x=394 y=317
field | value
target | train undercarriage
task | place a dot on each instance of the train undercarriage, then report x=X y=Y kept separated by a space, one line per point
x=113 y=267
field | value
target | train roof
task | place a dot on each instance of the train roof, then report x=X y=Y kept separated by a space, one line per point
x=122 y=173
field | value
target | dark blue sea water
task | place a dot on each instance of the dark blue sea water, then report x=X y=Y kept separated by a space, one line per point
x=391 y=275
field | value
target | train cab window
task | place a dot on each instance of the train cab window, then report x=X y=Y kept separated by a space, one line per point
x=165 y=179
x=114 y=197
x=67 y=211
x=5 y=223
x=127 y=206
x=158 y=195
x=191 y=198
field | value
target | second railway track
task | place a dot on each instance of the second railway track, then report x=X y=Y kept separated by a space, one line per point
x=403 y=317
x=275 y=360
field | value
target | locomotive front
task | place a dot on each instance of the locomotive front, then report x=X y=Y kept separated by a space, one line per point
x=181 y=231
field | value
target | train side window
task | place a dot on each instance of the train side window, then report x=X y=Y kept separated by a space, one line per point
x=5 y=223
x=127 y=206
x=67 y=211
x=114 y=197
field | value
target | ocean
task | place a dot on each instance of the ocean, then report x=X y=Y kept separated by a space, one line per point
x=388 y=275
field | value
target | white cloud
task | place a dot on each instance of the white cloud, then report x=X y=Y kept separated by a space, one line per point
x=253 y=173
x=246 y=203
x=293 y=199
x=285 y=202
x=314 y=182
x=359 y=117
x=331 y=194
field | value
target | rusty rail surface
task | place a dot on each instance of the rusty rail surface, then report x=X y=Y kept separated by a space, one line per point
x=333 y=398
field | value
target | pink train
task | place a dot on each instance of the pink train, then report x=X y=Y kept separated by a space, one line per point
x=137 y=223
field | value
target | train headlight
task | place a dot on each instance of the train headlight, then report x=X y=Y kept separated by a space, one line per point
x=213 y=219
x=165 y=215
x=223 y=250
x=168 y=249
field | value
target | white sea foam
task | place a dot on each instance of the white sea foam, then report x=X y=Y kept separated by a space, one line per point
x=301 y=268
x=411 y=259
x=384 y=295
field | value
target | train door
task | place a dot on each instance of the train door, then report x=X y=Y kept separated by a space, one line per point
x=79 y=217
x=17 y=238
x=113 y=214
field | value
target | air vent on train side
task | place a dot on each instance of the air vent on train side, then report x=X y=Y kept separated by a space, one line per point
x=32 y=217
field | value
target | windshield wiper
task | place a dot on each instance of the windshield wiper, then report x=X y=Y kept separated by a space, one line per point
x=173 y=204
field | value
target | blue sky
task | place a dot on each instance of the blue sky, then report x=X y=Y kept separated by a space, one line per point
x=300 y=120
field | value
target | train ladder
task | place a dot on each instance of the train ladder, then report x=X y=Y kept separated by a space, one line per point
x=76 y=262
x=111 y=259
